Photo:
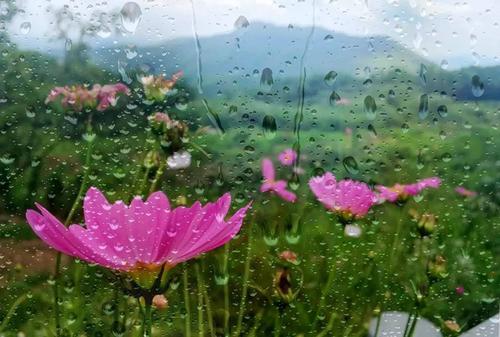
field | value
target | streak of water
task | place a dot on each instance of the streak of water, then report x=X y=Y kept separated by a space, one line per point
x=198 y=49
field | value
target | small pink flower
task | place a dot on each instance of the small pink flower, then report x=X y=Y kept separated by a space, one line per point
x=347 y=197
x=289 y=256
x=78 y=97
x=287 y=157
x=270 y=183
x=465 y=192
x=106 y=95
x=402 y=192
x=460 y=290
x=142 y=236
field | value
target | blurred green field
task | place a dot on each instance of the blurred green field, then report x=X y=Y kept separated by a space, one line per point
x=42 y=156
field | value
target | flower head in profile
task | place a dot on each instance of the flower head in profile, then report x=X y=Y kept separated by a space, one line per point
x=157 y=87
x=141 y=237
x=107 y=94
x=401 y=192
x=349 y=198
x=465 y=192
x=272 y=185
x=287 y=157
x=171 y=133
x=79 y=97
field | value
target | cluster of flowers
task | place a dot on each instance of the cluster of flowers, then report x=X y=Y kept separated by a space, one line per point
x=157 y=87
x=79 y=97
x=349 y=198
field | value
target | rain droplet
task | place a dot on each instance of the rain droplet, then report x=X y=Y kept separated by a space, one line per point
x=370 y=107
x=330 y=78
x=104 y=31
x=423 y=107
x=334 y=98
x=25 y=27
x=266 y=79
x=477 y=86
x=423 y=74
x=241 y=22
x=352 y=231
x=442 y=111
x=350 y=165
x=68 y=44
x=130 y=16
x=269 y=126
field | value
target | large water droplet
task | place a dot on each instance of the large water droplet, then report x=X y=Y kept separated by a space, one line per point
x=477 y=86
x=370 y=107
x=334 y=98
x=130 y=16
x=330 y=78
x=25 y=27
x=68 y=44
x=266 y=79
x=241 y=22
x=423 y=74
x=423 y=106
x=350 y=165
x=442 y=111
x=269 y=126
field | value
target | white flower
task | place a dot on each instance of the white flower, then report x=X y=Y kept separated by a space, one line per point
x=179 y=160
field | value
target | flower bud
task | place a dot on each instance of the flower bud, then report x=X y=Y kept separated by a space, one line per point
x=152 y=159
x=452 y=326
x=160 y=302
x=436 y=268
x=427 y=224
x=288 y=256
x=283 y=285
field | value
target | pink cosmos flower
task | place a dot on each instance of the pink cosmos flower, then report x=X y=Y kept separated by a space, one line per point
x=401 y=192
x=347 y=197
x=142 y=236
x=465 y=192
x=78 y=97
x=270 y=183
x=287 y=157
x=106 y=95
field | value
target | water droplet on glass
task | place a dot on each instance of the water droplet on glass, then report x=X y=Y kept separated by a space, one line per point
x=68 y=44
x=334 y=98
x=25 y=27
x=477 y=86
x=442 y=111
x=350 y=165
x=266 y=79
x=330 y=78
x=352 y=231
x=370 y=107
x=241 y=22
x=269 y=126
x=130 y=16
x=423 y=106
x=423 y=74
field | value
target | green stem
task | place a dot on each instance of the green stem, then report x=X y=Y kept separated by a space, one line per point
x=200 y=285
x=258 y=318
x=277 y=324
x=227 y=312
x=186 y=303
x=407 y=324
x=324 y=293
x=143 y=181
x=66 y=223
x=377 y=327
x=413 y=325
x=157 y=177
x=11 y=311
x=208 y=305
x=244 y=291
x=329 y=326
x=147 y=323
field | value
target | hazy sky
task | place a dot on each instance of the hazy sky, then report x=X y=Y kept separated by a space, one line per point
x=457 y=32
